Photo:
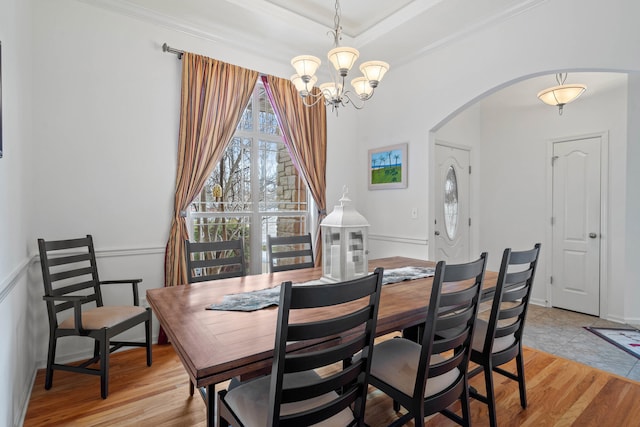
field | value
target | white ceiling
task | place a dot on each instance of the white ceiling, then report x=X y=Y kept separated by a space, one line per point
x=394 y=31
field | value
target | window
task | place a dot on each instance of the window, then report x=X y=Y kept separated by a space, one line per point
x=451 y=203
x=254 y=190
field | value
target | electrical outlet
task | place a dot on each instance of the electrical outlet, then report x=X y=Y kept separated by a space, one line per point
x=414 y=213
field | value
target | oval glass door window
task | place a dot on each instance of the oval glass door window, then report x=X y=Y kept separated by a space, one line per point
x=451 y=203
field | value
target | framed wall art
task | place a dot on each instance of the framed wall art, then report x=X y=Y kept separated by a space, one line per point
x=388 y=167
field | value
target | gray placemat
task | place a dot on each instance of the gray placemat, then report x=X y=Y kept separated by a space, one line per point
x=263 y=298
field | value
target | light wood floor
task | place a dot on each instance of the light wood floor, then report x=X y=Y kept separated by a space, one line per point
x=560 y=392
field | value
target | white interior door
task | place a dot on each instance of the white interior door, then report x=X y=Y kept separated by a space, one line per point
x=451 y=198
x=576 y=225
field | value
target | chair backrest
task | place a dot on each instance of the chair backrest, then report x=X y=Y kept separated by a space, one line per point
x=448 y=333
x=349 y=309
x=511 y=299
x=290 y=252
x=214 y=260
x=69 y=268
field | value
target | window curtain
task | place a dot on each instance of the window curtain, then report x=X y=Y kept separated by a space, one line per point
x=304 y=130
x=214 y=95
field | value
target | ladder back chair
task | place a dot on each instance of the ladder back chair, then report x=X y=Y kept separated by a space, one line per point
x=329 y=324
x=214 y=260
x=72 y=286
x=290 y=252
x=499 y=340
x=427 y=377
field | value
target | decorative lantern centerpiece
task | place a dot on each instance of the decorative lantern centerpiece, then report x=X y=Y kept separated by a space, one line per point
x=344 y=243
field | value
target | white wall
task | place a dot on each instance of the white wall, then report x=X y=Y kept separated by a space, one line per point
x=17 y=352
x=515 y=203
x=632 y=223
x=590 y=35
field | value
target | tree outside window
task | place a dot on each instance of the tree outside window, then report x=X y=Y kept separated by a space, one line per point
x=254 y=190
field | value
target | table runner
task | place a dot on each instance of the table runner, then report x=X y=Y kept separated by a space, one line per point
x=263 y=298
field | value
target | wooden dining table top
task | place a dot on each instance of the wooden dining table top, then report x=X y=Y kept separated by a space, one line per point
x=215 y=346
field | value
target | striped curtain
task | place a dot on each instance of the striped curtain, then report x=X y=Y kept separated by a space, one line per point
x=304 y=130
x=214 y=95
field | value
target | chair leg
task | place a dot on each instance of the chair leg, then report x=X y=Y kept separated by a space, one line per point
x=96 y=348
x=521 y=383
x=51 y=357
x=466 y=407
x=148 y=335
x=192 y=388
x=491 y=400
x=104 y=367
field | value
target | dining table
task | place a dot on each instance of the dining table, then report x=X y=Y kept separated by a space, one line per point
x=217 y=345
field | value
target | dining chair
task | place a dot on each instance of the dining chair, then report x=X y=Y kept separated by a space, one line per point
x=289 y=252
x=499 y=340
x=72 y=287
x=328 y=324
x=427 y=377
x=214 y=260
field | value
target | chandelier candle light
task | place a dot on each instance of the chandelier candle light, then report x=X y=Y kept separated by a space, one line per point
x=561 y=94
x=343 y=58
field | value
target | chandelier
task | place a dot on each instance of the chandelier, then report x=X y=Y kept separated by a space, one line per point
x=343 y=58
x=561 y=94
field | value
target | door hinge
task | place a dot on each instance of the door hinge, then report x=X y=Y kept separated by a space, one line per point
x=551 y=280
x=469 y=222
x=553 y=221
x=469 y=169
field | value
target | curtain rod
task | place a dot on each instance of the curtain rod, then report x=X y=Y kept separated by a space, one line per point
x=166 y=48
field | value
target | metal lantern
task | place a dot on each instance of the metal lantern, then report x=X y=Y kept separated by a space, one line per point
x=345 y=243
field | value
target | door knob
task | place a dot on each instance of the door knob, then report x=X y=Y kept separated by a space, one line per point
x=593 y=235
x=437 y=233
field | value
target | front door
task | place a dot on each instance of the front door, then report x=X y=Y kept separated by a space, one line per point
x=452 y=219
x=576 y=208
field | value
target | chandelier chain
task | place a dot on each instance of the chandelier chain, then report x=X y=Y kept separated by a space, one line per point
x=337 y=31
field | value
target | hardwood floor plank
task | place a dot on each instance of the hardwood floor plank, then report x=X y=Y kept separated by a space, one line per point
x=560 y=393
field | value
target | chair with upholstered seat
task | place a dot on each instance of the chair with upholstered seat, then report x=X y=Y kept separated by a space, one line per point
x=71 y=282
x=427 y=377
x=499 y=340
x=289 y=252
x=214 y=260
x=313 y=386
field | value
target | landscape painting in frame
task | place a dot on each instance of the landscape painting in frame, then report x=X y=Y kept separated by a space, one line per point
x=388 y=167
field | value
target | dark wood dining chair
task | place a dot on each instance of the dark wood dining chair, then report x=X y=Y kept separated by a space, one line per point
x=290 y=252
x=499 y=340
x=428 y=377
x=214 y=260
x=72 y=286
x=295 y=394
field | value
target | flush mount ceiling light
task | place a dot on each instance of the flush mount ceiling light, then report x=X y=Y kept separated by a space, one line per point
x=333 y=93
x=562 y=93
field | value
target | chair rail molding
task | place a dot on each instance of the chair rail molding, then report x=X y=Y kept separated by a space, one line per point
x=7 y=284
x=399 y=239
